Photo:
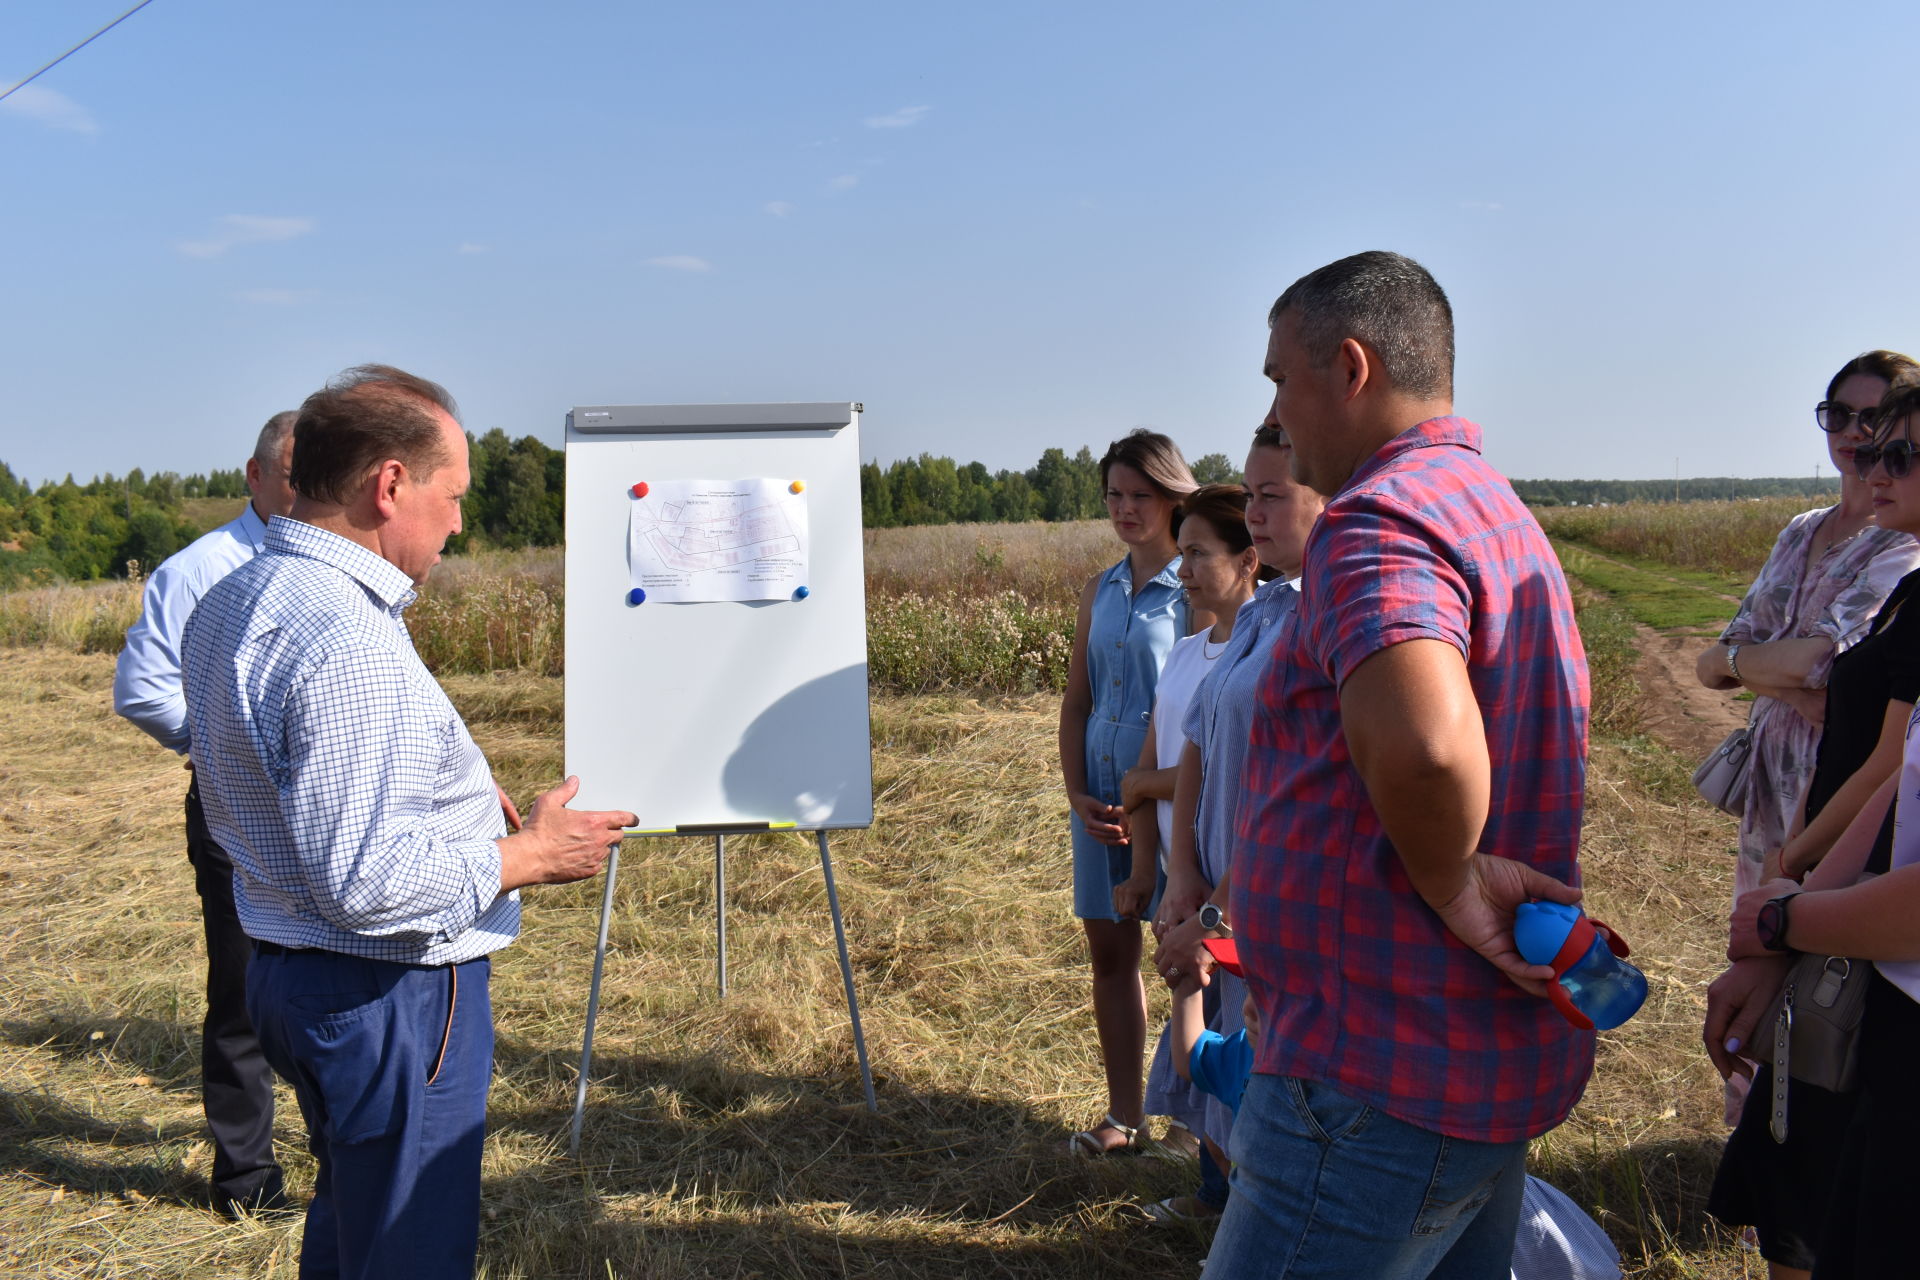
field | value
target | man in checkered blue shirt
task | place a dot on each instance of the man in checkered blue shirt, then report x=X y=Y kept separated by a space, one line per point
x=373 y=865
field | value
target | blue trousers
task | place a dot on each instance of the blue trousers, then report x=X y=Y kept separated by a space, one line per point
x=1329 y=1188
x=391 y=1064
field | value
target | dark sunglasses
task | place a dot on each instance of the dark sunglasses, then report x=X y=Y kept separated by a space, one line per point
x=1835 y=417
x=1895 y=455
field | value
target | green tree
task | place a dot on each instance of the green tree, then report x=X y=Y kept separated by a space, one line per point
x=1052 y=480
x=1089 y=498
x=1216 y=468
x=1013 y=497
x=527 y=519
x=150 y=538
x=876 y=497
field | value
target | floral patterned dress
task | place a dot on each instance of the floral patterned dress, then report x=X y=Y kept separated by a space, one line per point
x=1836 y=597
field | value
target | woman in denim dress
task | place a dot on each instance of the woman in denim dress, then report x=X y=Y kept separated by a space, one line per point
x=1129 y=618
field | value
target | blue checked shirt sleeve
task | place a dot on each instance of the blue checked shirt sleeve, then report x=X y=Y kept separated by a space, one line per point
x=146 y=679
x=380 y=776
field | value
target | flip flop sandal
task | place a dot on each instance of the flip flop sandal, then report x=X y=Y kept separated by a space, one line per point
x=1180 y=1210
x=1085 y=1145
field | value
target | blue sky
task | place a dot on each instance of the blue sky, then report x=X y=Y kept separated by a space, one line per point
x=1002 y=227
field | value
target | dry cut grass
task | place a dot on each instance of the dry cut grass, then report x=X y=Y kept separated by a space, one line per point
x=725 y=1137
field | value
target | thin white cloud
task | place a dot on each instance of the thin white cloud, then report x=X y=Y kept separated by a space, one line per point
x=468 y=246
x=904 y=118
x=680 y=262
x=245 y=228
x=778 y=208
x=845 y=182
x=275 y=297
x=51 y=108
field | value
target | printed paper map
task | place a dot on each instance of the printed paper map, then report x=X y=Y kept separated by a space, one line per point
x=701 y=540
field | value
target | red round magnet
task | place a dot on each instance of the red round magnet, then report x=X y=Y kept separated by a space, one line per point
x=640 y=490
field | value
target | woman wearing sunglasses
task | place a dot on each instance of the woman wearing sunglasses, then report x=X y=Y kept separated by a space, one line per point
x=1870 y=688
x=1826 y=577
x=1867 y=1229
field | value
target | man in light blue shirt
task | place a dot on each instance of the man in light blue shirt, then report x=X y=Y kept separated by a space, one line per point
x=236 y=1084
x=372 y=862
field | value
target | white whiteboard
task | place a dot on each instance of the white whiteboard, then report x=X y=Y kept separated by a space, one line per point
x=727 y=714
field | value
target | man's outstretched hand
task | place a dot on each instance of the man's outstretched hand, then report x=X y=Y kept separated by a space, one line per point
x=1480 y=914
x=558 y=845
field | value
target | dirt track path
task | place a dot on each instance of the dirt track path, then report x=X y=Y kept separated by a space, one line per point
x=1675 y=707
x=1664 y=577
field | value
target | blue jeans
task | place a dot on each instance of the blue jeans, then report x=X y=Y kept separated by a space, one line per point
x=1330 y=1188
x=391 y=1064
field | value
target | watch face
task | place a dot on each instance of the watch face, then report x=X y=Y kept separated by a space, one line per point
x=1770 y=923
x=1210 y=916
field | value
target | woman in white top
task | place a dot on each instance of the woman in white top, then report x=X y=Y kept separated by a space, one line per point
x=1219 y=570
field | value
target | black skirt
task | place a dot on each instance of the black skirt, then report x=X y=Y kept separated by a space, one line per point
x=1781 y=1190
x=1869 y=1229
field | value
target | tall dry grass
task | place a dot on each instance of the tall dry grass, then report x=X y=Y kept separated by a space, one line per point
x=1039 y=561
x=986 y=608
x=88 y=618
x=1727 y=538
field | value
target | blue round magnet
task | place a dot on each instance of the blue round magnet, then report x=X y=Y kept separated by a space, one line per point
x=637 y=596
x=801 y=593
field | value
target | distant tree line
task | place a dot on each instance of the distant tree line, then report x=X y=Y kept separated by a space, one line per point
x=933 y=490
x=66 y=530
x=69 y=531
x=1569 y=493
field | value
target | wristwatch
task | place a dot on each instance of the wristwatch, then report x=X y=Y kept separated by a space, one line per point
x=1771 y=924
x=1733 y=665
x=1214 y=920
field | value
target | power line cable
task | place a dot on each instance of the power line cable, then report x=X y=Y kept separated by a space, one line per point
x=77 y=48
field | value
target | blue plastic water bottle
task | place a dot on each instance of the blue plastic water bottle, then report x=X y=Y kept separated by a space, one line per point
x=1595 y=988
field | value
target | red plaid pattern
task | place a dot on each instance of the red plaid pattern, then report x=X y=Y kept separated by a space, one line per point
x=1358 y=983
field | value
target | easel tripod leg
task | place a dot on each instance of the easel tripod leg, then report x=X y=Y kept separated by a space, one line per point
x=846 y=974
x=593 y=1002
x=720 y=905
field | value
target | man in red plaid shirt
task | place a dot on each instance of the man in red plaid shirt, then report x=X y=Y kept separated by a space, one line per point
x=1416 y=771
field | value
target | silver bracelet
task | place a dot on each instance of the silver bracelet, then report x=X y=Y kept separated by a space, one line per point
x=1733 y=666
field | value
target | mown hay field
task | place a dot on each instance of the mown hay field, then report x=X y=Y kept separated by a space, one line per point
x=726 y=1137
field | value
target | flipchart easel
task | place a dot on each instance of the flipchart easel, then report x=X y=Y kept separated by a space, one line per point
x=755 y=713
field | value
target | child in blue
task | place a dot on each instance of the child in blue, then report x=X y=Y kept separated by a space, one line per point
x=1215 y=1064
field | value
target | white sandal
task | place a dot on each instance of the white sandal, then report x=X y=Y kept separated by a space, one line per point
x=1085 y=1145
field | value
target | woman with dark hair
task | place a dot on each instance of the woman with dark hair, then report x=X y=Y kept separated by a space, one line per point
x=1279 y=513
x=1218 y=569
x=1129 y=618
x=1779 y=1187
x=1826 y=577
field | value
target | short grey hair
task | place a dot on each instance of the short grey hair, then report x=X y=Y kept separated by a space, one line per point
x=1388 y=302
x=273 y=436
